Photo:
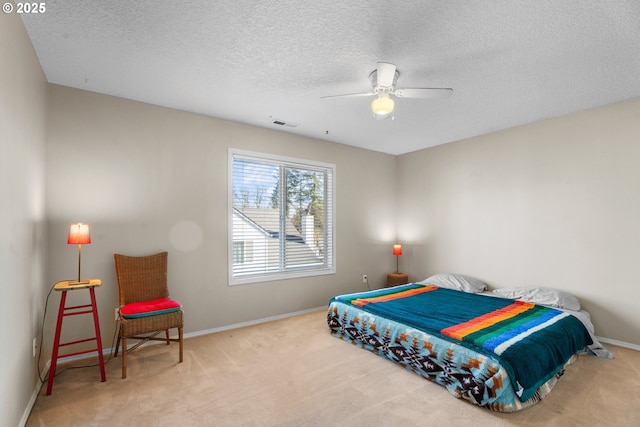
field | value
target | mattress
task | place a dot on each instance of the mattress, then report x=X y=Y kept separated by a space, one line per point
x=499 y=353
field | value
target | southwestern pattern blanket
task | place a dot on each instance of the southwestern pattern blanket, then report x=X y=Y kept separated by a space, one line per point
x=497 y=340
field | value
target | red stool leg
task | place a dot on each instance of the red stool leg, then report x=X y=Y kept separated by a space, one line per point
x=96 y=323
x=56 y=343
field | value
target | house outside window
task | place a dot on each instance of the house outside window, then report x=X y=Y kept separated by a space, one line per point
x=281 y=214
x=239 y=252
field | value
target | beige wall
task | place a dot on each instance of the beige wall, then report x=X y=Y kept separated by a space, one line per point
x=23 y=113
x=137 y=173
x=554 y=203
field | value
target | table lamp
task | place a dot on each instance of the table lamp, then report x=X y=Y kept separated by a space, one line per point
x=397 y=251
x=79 y=235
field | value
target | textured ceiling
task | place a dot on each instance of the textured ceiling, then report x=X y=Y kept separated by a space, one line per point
x=509 y=62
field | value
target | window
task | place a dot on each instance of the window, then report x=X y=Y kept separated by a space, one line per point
x=281 y=214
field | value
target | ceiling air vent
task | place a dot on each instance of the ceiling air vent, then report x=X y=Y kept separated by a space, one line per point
x=283 y=123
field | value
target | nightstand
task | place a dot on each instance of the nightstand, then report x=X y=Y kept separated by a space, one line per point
x=395 y=279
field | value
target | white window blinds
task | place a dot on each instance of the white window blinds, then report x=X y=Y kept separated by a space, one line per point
x=281 y=216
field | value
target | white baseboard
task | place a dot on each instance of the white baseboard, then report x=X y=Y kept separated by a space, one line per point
x=619 y=343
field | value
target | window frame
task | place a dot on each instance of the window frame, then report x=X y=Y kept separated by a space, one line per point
x=330 y=218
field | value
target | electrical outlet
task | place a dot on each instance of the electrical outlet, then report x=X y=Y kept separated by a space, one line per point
x=35 y=346
x=365 y=279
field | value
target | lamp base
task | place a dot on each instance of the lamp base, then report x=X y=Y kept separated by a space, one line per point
x=78 y=282
x=395 y=279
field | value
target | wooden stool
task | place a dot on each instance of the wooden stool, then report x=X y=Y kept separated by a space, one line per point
x=64 y=287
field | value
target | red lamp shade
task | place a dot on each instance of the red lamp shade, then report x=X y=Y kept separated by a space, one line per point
x=79 y=234
x=397 y=250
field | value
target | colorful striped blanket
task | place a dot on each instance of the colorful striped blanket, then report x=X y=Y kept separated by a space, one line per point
x=532 y=342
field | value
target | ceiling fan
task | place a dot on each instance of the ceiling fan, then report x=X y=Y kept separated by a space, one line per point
x=383 y=80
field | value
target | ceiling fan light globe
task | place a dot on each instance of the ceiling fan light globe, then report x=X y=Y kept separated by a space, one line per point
x=382 y=107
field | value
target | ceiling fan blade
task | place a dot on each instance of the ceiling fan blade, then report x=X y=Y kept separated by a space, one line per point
x=349 y=95
x=386 y=74
x=424 y=92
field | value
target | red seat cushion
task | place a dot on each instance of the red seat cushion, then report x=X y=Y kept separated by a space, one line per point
x=149 y=308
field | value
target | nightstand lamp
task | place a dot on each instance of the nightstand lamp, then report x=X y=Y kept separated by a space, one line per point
x=79 y=235
x=397 y=278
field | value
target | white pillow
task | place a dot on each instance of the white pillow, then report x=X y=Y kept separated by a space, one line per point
x=458 y=282
x=543 y=296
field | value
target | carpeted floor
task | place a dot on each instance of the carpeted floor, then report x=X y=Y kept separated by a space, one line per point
x=292 y=372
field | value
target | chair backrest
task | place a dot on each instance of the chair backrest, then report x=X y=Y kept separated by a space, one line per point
x=141 y=278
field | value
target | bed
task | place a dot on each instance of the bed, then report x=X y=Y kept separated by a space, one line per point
x=503 y=350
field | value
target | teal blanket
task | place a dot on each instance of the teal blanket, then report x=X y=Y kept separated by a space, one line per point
x=532 y=342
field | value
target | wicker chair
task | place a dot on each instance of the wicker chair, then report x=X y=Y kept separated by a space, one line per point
x=142 y=282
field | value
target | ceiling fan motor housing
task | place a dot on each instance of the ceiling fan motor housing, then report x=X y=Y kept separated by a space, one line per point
x=380 y=89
